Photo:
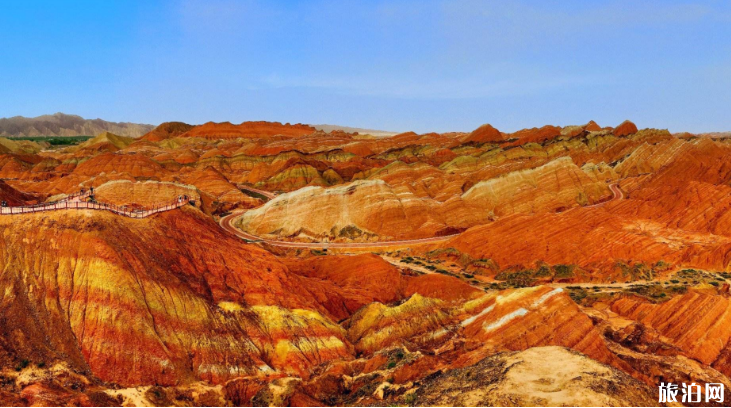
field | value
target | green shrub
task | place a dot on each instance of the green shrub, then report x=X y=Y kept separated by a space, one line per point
x=563 y=271
x=23 y=364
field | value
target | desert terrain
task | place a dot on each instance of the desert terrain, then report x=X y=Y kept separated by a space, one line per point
x=264 y=263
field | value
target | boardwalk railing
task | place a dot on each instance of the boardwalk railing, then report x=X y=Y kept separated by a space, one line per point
x=74 y=202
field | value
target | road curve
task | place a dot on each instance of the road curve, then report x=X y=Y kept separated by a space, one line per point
x=227 y=224
x=616 y=195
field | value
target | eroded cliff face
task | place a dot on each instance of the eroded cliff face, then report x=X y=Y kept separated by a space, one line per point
x=704 y=337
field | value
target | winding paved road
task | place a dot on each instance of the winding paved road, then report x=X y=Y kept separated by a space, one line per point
x=268 y=194
x=227 y=224
x=617 y=194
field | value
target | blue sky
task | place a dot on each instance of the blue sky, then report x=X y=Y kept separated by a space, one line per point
x=393 y=65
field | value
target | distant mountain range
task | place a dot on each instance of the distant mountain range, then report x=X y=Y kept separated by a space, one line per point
x=61 y=124
x=373 y=132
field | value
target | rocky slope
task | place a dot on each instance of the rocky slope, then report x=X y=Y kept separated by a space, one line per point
x=14 y=197
x=541 y=376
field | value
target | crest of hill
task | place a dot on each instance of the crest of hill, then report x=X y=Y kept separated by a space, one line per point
x=250 y=130
x=484 y=134
x=18 y=146
x=120 y=142
x=60 y=124
x=166 y=130
x=625 y=128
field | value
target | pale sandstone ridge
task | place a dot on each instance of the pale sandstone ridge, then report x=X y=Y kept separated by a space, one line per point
x=115 y=141
x=541 y=376
x=19 y=146
x=359 y=210
x=557 y=185
x=369 y=209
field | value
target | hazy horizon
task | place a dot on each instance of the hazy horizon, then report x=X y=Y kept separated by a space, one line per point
x=395 y=66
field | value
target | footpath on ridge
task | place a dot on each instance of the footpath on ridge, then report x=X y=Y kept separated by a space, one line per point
x=76 y=201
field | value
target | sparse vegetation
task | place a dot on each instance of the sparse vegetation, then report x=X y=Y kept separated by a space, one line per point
x=22 y=364
x=517 y=279
x=55 y=140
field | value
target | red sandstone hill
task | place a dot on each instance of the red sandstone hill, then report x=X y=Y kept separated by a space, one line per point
x=166 y=130
x=625 y=128
x=14 y=197
x=179 y=301
x=484 y=134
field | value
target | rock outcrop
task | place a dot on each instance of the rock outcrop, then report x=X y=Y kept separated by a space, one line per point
x=541 y=376
x=625 y=128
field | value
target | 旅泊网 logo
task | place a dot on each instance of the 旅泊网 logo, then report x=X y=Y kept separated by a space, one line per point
x=692 y=392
